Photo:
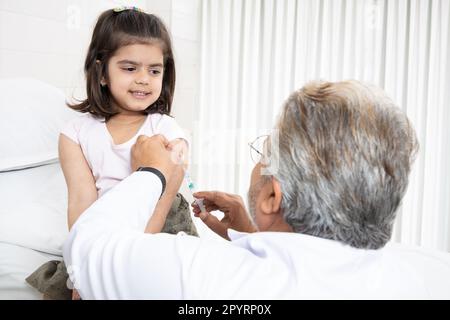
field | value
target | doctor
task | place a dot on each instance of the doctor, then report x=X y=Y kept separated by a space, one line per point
x=322 y=200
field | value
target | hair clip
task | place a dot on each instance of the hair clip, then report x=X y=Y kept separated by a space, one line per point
x=124 y=8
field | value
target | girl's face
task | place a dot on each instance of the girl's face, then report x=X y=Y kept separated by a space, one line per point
x=135 y=77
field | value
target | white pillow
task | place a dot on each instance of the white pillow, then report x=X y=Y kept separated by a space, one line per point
x=33 y=210
x=31 y=116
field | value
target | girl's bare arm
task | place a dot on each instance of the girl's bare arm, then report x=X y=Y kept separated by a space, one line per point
x=79 y=179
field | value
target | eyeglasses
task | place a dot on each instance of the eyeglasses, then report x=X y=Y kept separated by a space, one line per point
x=257 y=148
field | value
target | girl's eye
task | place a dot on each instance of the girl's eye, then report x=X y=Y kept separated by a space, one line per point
x=130 y=69
x=155 y=72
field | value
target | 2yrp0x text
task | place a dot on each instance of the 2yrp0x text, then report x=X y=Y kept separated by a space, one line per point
x=225 y=309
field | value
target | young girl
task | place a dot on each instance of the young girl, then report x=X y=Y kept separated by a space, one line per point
x=130 y=75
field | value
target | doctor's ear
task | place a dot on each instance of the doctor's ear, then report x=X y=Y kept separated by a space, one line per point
x=277 y=195
x=271 y=203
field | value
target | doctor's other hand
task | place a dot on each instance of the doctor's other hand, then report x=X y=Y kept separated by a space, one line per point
x=153 y=152
x=235 y=214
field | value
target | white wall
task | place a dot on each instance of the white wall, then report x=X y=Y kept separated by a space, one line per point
x=185 y=27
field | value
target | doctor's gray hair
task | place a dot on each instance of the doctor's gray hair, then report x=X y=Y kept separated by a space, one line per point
x=345 y=153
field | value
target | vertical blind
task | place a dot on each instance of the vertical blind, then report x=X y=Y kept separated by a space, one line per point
x=256 y=52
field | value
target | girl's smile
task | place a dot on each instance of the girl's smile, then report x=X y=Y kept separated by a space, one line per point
x=141 y=95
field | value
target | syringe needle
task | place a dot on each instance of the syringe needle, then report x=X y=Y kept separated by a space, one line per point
x=191 y=187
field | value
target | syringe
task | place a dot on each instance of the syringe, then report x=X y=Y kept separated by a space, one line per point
x=191 y=187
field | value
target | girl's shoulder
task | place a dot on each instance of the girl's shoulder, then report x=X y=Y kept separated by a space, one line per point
x=161 y=118
x=159 y=121
x=84 y=119
x=78 y=124
x=88 y=117
x=167 y=126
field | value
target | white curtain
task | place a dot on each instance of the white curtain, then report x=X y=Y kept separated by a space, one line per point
x=255 y=52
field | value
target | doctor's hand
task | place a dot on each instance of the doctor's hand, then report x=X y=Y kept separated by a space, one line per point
x=153 y=152
x=235 y=215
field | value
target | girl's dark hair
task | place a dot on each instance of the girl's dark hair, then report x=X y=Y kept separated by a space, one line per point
x=112 y=31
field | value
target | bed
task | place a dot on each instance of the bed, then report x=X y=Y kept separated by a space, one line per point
x=33 y=193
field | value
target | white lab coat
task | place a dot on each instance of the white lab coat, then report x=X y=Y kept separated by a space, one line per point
x=109 y=256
